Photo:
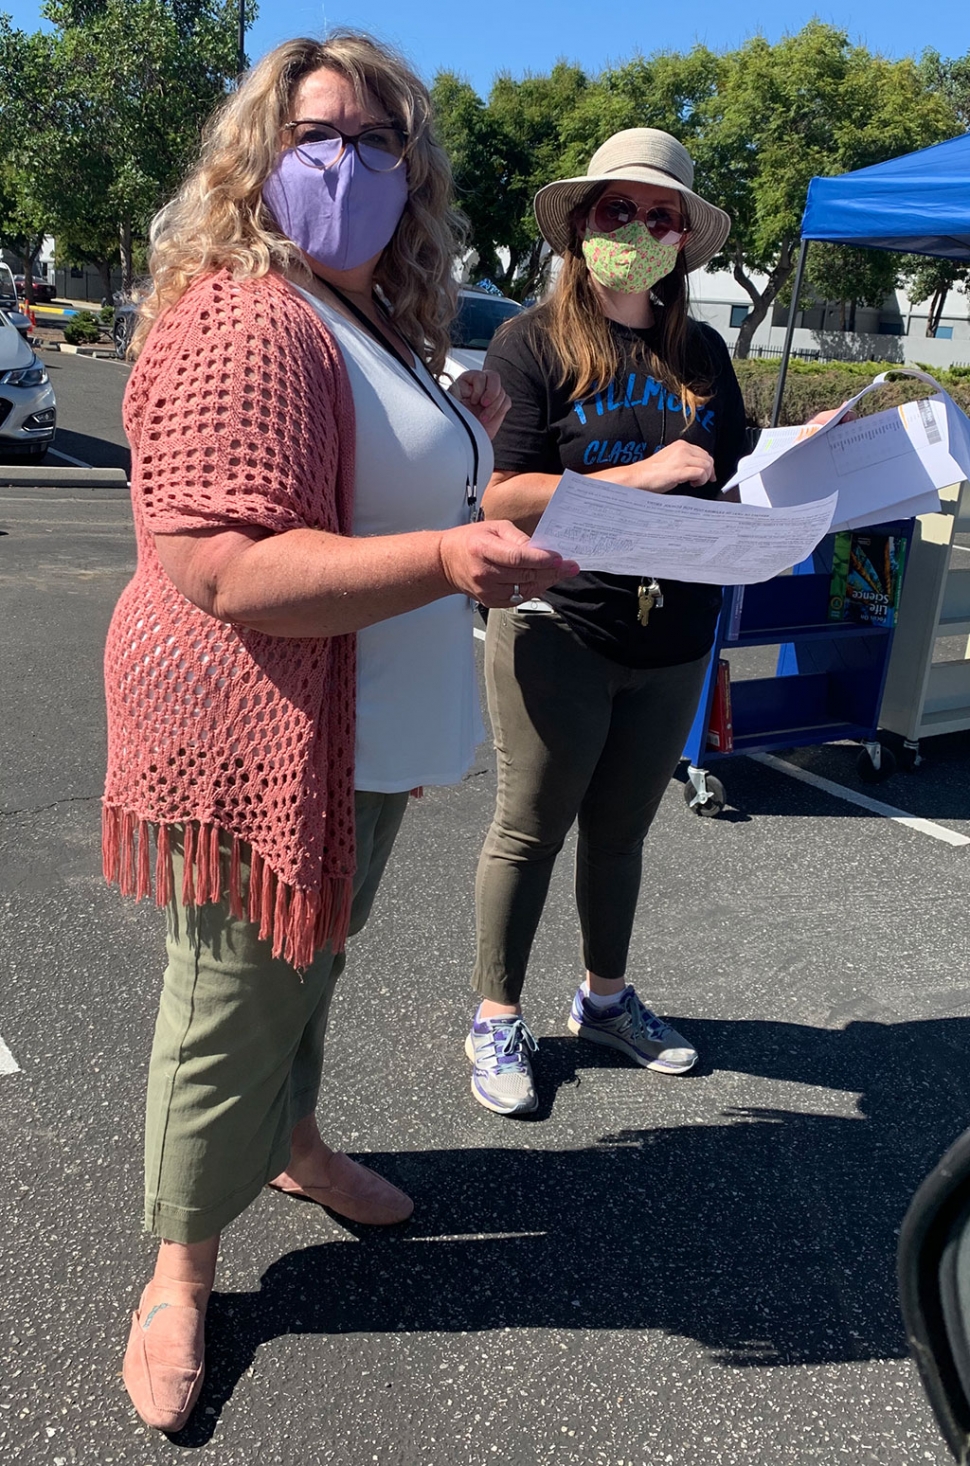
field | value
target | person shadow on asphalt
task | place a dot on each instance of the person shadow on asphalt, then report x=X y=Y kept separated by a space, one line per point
x=769 y=1239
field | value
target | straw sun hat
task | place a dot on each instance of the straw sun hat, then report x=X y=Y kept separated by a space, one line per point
x=638 y=155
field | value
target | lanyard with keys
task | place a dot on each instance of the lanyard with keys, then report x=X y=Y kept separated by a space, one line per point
x=650 y=597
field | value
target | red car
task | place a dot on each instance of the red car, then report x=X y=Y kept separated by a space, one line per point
x=43 y=289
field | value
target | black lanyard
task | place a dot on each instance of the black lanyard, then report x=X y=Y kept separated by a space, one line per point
x=438 y=396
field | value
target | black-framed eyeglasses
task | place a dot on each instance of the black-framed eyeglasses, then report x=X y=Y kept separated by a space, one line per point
x=321 y=145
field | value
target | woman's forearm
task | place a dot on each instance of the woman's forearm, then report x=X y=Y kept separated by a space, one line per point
x=306 y=582
x=522 y=497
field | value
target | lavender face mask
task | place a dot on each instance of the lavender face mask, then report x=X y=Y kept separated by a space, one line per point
x=342 y=215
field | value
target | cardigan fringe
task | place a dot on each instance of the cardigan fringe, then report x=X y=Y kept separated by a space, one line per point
x=297 y=922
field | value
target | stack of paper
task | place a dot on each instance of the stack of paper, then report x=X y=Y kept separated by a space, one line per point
x=624 y=531
x=797 y=485
x=887 y=466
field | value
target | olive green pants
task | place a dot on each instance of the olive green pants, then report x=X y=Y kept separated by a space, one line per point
x=579 y=738
x=238 y=1048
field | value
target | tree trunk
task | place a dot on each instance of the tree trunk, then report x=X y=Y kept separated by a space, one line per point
x=761 y=302
x=127 y=264
x=104 y=270
x=532 y=277
x=937 y=302
x=508 y=277
x=30 y=259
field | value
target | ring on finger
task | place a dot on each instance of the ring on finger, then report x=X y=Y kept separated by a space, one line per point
x=516 y=598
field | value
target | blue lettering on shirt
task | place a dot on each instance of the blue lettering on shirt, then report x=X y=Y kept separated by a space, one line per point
x=611 y=402
x=600 y=450
x=653 y=394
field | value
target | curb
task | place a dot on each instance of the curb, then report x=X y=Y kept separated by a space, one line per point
x=96 y=353
x=38 y=477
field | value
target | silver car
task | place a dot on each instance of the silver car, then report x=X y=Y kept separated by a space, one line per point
x=480 y=313
x=28 y=412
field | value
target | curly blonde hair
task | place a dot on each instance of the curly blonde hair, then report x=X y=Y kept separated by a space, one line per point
x=218 y=220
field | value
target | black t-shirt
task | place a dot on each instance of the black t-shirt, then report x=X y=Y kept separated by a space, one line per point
x=546 y=431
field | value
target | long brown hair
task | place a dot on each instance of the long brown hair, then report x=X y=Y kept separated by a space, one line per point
x=573 y=324
x=218 y=220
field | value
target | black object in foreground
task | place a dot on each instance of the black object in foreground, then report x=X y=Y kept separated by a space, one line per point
x=934 y=1291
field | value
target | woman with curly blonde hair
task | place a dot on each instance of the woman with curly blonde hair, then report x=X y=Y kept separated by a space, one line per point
x=293 y=655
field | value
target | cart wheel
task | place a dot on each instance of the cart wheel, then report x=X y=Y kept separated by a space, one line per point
x=867 y=770
x=909 y=758
x=715 y=801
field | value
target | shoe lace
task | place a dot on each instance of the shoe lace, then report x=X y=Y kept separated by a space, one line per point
x=508 y=1042
x=643 y=1020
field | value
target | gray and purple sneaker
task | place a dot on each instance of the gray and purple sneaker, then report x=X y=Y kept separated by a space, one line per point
x=634 y=1030
x=499 y=1050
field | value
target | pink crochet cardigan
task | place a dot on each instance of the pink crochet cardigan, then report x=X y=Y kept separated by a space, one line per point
x=239 y=412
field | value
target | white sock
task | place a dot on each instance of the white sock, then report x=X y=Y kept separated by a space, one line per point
x=509 y=1016
x=597 y=1000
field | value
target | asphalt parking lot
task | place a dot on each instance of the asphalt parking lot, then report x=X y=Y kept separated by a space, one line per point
x=652 y=1270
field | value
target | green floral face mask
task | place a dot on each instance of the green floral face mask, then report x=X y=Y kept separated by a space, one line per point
x=629 y=260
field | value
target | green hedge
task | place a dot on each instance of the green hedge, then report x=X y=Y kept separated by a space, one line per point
x=813 y=387
x=83 y=330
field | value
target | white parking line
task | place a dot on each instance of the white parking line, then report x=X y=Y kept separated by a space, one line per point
x=8 y=1064
x=77 y=462
x=875 y=806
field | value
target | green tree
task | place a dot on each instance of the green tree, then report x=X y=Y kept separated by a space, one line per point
x=760 y=122
x=851 y=276
x=29 y=141
x=102 y=116
x=812 y=104
x=532 y=131
x=932 y=279
x=951 y=78
x=668 y=90
x=22 y=222
x=502 y=153
x=144 y=75
x=479 y=153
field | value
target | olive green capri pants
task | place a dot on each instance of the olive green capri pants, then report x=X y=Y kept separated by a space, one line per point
x=238 y=1049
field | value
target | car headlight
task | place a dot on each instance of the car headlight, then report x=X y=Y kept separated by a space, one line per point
x=34 y=375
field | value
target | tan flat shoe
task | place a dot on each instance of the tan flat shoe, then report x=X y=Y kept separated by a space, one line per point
x=354 y=1192
x=164 y=1367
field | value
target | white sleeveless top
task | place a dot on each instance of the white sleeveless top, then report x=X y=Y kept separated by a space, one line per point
x=418 y=717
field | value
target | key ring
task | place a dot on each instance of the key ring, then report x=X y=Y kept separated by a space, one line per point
x=516 y=598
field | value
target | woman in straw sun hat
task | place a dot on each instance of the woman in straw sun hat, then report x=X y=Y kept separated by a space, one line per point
x=593 y=686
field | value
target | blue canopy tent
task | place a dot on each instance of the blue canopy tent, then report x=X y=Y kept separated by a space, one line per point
x=918 y=204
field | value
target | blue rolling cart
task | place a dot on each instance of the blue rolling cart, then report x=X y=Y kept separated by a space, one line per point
x=827 y=686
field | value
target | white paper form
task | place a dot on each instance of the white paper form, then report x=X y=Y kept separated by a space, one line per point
x=623 y=531
x=887 y=466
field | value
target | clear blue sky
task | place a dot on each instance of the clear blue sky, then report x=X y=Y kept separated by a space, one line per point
x=523 y=35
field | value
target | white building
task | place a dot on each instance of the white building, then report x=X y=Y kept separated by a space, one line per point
x=894 y=331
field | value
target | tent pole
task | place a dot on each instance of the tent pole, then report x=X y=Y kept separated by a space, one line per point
x=789 y=333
